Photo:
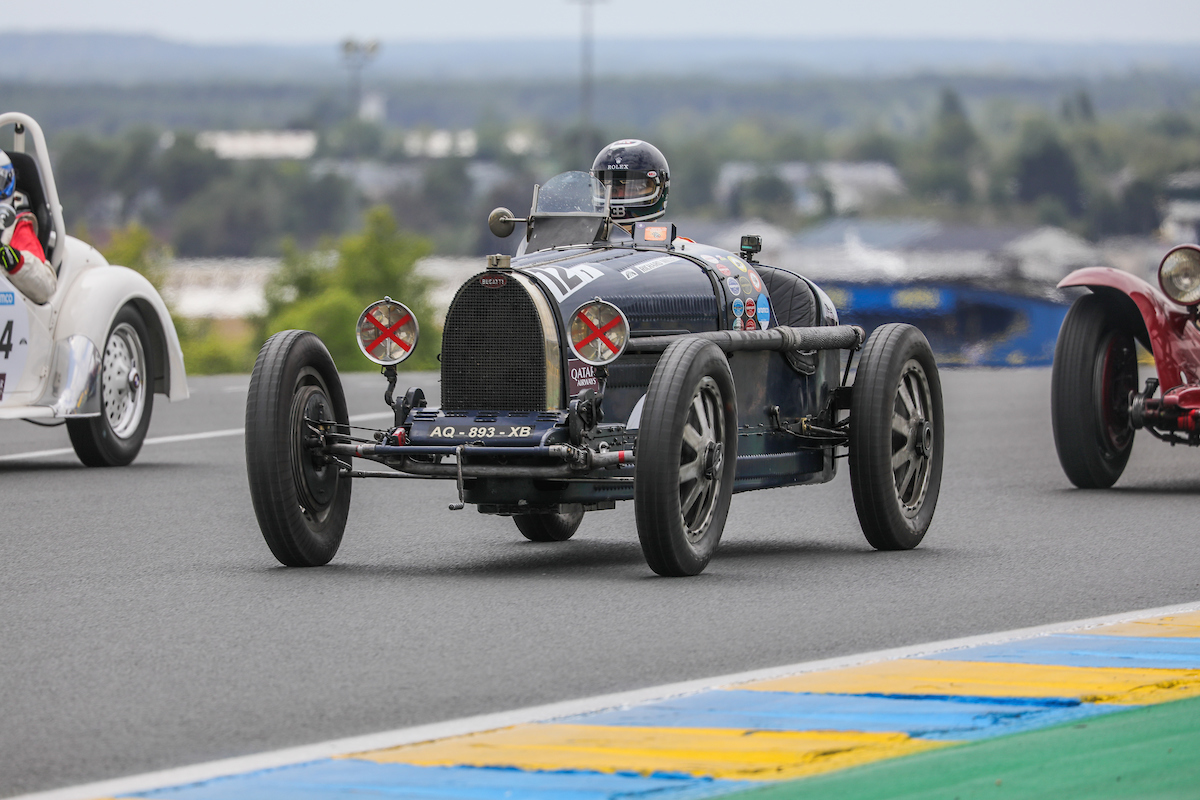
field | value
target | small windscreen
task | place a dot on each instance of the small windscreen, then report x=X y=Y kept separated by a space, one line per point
x=571 y=193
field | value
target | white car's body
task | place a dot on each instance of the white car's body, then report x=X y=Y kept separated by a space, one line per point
x=51 y=355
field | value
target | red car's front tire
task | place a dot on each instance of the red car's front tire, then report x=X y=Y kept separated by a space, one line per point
x=1095 y=370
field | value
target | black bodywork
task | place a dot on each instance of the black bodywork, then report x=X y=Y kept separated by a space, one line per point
x=498 y=363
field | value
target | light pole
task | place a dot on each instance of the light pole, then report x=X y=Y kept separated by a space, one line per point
x=356 y=55
x=585 y=76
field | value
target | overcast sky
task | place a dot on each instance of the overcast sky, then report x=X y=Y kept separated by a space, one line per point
x=321 y=21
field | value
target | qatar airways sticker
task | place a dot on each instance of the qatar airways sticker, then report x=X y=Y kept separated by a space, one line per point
x=580 y=377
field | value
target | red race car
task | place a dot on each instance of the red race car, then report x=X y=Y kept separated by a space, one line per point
x=1097 y=402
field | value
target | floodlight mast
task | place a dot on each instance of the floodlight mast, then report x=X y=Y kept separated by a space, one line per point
x=356 y=55
x=586 y=145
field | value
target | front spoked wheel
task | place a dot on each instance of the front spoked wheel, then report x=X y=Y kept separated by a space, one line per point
x=686 y=458
x=896 y=437
x=300 y=497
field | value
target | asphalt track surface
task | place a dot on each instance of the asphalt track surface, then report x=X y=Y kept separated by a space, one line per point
x=144 y=624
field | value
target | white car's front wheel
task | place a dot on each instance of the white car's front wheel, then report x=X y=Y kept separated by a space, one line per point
x=114 y=438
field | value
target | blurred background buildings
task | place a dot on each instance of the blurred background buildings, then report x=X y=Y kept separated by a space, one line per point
x=235 y=173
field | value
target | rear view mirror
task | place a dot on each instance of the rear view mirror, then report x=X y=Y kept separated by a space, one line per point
x=502 y=223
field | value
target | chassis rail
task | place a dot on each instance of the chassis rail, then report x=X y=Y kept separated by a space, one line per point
x=782 y=338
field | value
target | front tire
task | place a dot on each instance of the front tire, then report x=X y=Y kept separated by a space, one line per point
x=897 y=435
x=556 y=527
x=686 y=458
x=114 y=438
x=1095 y=370
x=300 y=497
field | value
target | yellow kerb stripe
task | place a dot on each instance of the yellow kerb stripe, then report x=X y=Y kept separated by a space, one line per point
x=927 y=677
x=1177 y=625
x=716 y=753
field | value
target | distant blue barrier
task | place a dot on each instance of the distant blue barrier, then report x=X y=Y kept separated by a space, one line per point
x=966 y=325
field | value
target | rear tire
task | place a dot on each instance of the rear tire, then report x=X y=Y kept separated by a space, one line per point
x=300 y=499
x=686 y=458
x=556 y=527
x=897 y=437
x=1095 y=369
x=115 y=438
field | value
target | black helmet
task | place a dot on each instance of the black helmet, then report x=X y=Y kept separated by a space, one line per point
x=638 y=174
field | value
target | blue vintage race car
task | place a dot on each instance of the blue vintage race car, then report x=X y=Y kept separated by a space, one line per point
x=605 y=363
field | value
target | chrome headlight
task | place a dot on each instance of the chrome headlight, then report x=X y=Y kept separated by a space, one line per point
x=1179 y=274
x=387 y=332
x=598 y=332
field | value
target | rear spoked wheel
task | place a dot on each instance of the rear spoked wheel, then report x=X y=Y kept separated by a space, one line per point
x=686 y=458
x=556 y=527
x=896 y=437
x=300 y=497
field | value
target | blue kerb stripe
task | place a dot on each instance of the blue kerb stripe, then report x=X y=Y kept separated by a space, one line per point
x=1069 y=650
x=927 y=718
x=334 y=779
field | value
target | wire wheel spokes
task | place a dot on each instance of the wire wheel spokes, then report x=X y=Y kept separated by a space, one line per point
x=912 y=437
x=700 y=458
x=124 y=395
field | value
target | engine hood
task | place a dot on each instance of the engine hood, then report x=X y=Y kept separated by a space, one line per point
x=658 y=291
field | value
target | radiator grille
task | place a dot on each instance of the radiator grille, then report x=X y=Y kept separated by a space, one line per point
x=493 y=350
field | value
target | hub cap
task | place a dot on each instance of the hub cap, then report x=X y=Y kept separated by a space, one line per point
x=123 y=390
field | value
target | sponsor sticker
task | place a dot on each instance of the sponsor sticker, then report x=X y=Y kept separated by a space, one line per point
x=737 y=262
x=764 y=311
x=757 y=281
x=493 y=281
x=646 y=266
x=745 y=284
x=724 y=269
x=580 y=376
x=739 y=307
x=751 y=325
x=749 y=306
x=8 y=298
x=737 y=324
x=711 y=259
x=734 y=289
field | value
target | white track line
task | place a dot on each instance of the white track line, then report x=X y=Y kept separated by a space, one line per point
x=438 y=730
x=183 y=437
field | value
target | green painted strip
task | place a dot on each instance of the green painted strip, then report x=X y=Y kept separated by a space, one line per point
x=1151 y=752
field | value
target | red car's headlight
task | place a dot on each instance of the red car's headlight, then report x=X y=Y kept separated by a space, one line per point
x=1179 y=274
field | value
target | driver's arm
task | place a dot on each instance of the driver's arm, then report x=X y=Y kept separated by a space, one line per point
x=24 y=261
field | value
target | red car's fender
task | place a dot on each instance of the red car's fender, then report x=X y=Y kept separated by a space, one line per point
x=1174 y=342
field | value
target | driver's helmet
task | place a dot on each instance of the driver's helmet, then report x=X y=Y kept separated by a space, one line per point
x=638 y=174
x=8 y=176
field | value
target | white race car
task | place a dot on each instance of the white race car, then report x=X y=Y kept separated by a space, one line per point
x=95 y=354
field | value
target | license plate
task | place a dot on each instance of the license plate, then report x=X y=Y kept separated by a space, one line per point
x=500 y=431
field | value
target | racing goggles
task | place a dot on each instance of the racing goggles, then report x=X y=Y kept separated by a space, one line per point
x=631 y=187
